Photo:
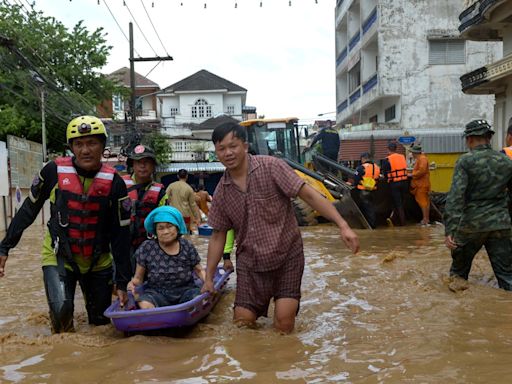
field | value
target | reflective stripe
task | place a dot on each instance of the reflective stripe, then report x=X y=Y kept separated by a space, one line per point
x=105 y=176
x=155 y=188
x=124 y=223
x=65 y=169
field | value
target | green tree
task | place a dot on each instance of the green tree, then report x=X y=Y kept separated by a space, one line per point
x=39 y=54
x=161 y=145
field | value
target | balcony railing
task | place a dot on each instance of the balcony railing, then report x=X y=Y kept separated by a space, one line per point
x=354 y=40
x=342 y=56
x=372 y=82
x=342 y=106
x=370 y=20
x=355 y=95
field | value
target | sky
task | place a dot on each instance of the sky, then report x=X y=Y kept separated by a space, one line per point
x=283 y=55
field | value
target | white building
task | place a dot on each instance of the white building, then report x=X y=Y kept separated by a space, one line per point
x=183 y=107
x=491 y=20
x=398 y=64
x=197 y=98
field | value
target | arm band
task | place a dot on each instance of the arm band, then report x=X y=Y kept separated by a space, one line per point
x=226 y=256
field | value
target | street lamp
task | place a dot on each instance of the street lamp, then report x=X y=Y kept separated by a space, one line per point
x=326 y=113
x=40 y=84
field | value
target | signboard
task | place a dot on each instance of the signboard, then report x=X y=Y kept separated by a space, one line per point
x=4 y=175
x=26 y=159
x=406 y=140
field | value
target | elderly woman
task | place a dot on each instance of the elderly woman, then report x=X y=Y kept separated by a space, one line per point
x=168 y=261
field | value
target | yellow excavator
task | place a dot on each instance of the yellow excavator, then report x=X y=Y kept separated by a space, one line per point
x=280 y=138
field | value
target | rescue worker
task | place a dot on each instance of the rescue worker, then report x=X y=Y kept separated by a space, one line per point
x=330 y=141
x=89 y=223
x=144 y=193
x=394 y=168
x=365 y=178
x=476 y=211
x=420 y=183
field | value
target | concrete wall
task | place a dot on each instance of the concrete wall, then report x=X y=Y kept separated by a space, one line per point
x=8 y=207
x=431 y=95
x=425 y=95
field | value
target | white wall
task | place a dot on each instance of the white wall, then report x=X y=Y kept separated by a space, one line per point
x=430 y=95
x=8 y=207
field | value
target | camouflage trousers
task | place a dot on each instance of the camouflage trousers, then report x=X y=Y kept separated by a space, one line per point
x=498 y=245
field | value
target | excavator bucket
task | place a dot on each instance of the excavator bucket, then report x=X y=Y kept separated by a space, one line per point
x=349 y=210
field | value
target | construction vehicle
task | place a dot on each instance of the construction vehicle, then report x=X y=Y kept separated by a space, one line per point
x=280 y=138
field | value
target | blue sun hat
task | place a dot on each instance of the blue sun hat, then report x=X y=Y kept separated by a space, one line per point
x=165 y=214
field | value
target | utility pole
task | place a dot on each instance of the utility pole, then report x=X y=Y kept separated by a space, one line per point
x=132 y=74
x=40 y=84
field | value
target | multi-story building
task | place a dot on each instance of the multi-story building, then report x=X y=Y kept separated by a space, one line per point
x=491 y=20
x=116 y=114
x=397 y=73
x=197 y=98
x=189 y=110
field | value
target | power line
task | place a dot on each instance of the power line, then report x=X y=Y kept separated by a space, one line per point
x=157 y=35
x=119 y=26
x=140 y=29
x=49 y=66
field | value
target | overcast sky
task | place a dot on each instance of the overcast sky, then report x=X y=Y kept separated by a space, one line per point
x=283 y=55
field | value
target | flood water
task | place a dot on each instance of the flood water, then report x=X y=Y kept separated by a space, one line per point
x=385 y=315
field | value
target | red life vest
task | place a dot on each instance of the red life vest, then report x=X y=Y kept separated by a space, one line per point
x=141 y=208
x=371 y=171
x=82 y=213
x=508 y=151
x=398 y=167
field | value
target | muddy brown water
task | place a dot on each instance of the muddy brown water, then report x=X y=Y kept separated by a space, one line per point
x=385 y=315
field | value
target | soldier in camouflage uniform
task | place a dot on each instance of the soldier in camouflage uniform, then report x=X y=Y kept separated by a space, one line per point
x=476 y=211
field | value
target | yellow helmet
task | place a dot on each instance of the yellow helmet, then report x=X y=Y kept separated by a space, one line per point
x=85 y=126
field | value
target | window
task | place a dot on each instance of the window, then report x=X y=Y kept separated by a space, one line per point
x=118 y=140
x=389 y=113
x=181 y=146
x=117 y=103
x=230 y=110
x=174 y=111
x=447 y=51
x=373 y=119
x=354 y=77
x=201 y=109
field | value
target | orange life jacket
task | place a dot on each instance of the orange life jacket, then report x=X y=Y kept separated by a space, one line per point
x=141 y=208
x=508 y=151
x=398 y=168
x=83 y=214
x=371 y=171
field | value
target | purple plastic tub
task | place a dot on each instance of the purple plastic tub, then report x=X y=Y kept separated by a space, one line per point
x=179 y=315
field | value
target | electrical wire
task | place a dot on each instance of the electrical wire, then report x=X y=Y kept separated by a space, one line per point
x=49 y=66
x=119 y=26
x=151 y=21
x=140 y=29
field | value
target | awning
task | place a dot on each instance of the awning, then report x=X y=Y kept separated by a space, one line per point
x=434 y=140
x=209 y=167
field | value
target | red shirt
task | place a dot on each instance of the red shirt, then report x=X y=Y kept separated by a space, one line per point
x=263 y=218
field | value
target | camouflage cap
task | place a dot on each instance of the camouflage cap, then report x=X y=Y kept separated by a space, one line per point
x=141 y=152
x=478 y=128
x=416 y=149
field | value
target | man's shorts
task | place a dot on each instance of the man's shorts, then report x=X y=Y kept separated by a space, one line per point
x=254 y=290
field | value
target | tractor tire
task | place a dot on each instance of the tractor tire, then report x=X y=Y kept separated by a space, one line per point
x=304 y=213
